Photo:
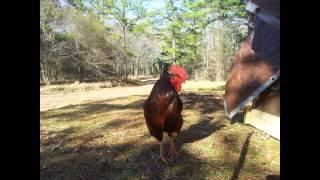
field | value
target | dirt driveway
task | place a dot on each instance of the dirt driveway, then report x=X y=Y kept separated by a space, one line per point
x=54 y=101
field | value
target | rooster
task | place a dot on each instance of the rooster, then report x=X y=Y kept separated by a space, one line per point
x=163 y=107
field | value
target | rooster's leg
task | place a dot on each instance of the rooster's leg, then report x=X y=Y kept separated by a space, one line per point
x=173 y=153
x=161 y=153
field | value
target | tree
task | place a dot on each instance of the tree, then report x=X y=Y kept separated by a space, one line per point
x=112 y=39
x=92 y=44
x=49 y=17
x=126 y=14
x=78 y=45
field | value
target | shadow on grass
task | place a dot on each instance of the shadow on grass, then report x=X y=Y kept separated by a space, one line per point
x=242 y=158
x=134 y=158
x=206 y=104
x=198 y=131
x=219 y=88
x=137 y=82
x=130 y=160
x=76 y=112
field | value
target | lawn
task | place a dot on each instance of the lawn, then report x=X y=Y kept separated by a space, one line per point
x=108 y=139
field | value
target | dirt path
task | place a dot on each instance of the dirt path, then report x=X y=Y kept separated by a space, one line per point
x=60 y=100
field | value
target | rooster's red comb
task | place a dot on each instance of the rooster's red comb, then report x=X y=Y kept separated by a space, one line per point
x=179 y=71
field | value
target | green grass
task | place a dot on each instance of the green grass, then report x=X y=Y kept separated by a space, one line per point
x=109 y=140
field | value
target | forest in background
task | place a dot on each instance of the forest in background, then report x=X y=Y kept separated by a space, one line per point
x=113 y=40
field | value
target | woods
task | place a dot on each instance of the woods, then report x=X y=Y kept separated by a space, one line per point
x=113 y=40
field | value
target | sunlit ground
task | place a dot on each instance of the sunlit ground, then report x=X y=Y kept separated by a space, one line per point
x=108 y=139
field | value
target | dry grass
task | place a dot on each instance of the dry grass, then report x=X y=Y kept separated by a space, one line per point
x=109 y=140
x=85 y=87
x=204 y=86
x=73 y=88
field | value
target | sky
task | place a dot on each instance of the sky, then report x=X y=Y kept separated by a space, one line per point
x=154 y=4
x=150 y=5
x=62 y=3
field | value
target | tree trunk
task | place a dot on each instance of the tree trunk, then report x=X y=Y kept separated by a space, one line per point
x=174 y=54
x=195 y=58
x=136 y=68
x=147 y=70
x=133 y=69
x=220 y=68
x=152 y=70
x=80 y=71
x=79 y=74
x=219 y=56
x=62 y=74
x=117 y=66
x=206 y=54
x=44 y=76
x=49 y=72
x=125 y=51
x=56 y=75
